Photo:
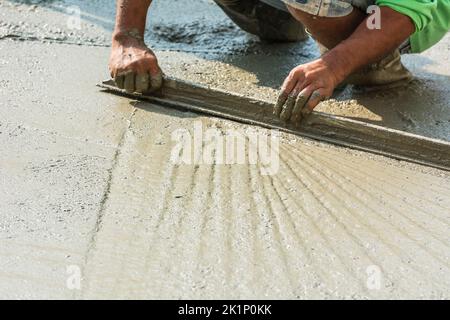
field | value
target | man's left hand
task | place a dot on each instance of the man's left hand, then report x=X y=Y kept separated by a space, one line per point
x=305 y=87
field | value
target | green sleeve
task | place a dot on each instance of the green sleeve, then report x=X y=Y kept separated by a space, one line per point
x=431 y=19
x=420 y=11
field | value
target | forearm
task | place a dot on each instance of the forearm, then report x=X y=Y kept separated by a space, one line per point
x=366 y=46
x=131 y=17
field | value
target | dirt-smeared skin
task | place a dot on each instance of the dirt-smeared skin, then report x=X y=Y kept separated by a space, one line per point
x=352 y=46
x=306 y=86
x=132 y=64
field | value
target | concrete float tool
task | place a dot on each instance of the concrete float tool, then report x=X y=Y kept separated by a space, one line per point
x=341 y=131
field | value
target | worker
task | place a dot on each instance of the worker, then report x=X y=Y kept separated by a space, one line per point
x=361 y=43
x=134 y=66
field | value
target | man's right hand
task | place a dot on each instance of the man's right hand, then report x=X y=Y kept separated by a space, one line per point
x=133 y=65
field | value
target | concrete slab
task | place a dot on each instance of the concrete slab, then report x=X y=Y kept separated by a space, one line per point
x=139 y=226
x=312 y=230
x=59 y=139
x=50 y=192
x=86 y=181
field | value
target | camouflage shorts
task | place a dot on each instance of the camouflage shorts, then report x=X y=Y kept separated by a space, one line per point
x=329 y=8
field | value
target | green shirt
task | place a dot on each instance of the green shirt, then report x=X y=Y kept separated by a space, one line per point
x=431 y=18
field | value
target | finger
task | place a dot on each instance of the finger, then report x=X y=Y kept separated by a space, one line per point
x=317 y=96
x=287 y=108
x=279 y=104
x=156 y=81
x=142 y=82
x=292 y=81
x=119 y=80
x=298 y=89
x=129 y=82
x=288 y=85
x=300 y=103
x=291 y=105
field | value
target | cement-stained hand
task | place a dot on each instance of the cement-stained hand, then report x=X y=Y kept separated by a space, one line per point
x=304 y=88
x=133 y=65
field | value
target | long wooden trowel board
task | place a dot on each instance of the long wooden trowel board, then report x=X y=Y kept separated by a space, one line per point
x=319 y=126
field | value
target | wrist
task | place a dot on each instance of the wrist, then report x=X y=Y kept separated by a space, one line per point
x=121 y=36
x=340 y=63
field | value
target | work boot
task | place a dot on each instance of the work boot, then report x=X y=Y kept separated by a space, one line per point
x=263 y=20
x=388 y=73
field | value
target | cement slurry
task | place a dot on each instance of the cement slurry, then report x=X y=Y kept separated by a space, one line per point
x=313 y=230
x=86 y=185
x=58 y=140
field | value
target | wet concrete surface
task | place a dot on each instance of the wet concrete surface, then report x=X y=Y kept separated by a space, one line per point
x=226 y=231
x=86 y=179
x=58 y=141
x=203 y=45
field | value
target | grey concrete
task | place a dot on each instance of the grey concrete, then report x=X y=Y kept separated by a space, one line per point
x=86 y=181
x=312 y=230
x=59 y=140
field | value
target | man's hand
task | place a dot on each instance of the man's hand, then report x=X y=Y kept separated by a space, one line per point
x=305 y=87
x=352 y=46
x=133 y=65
